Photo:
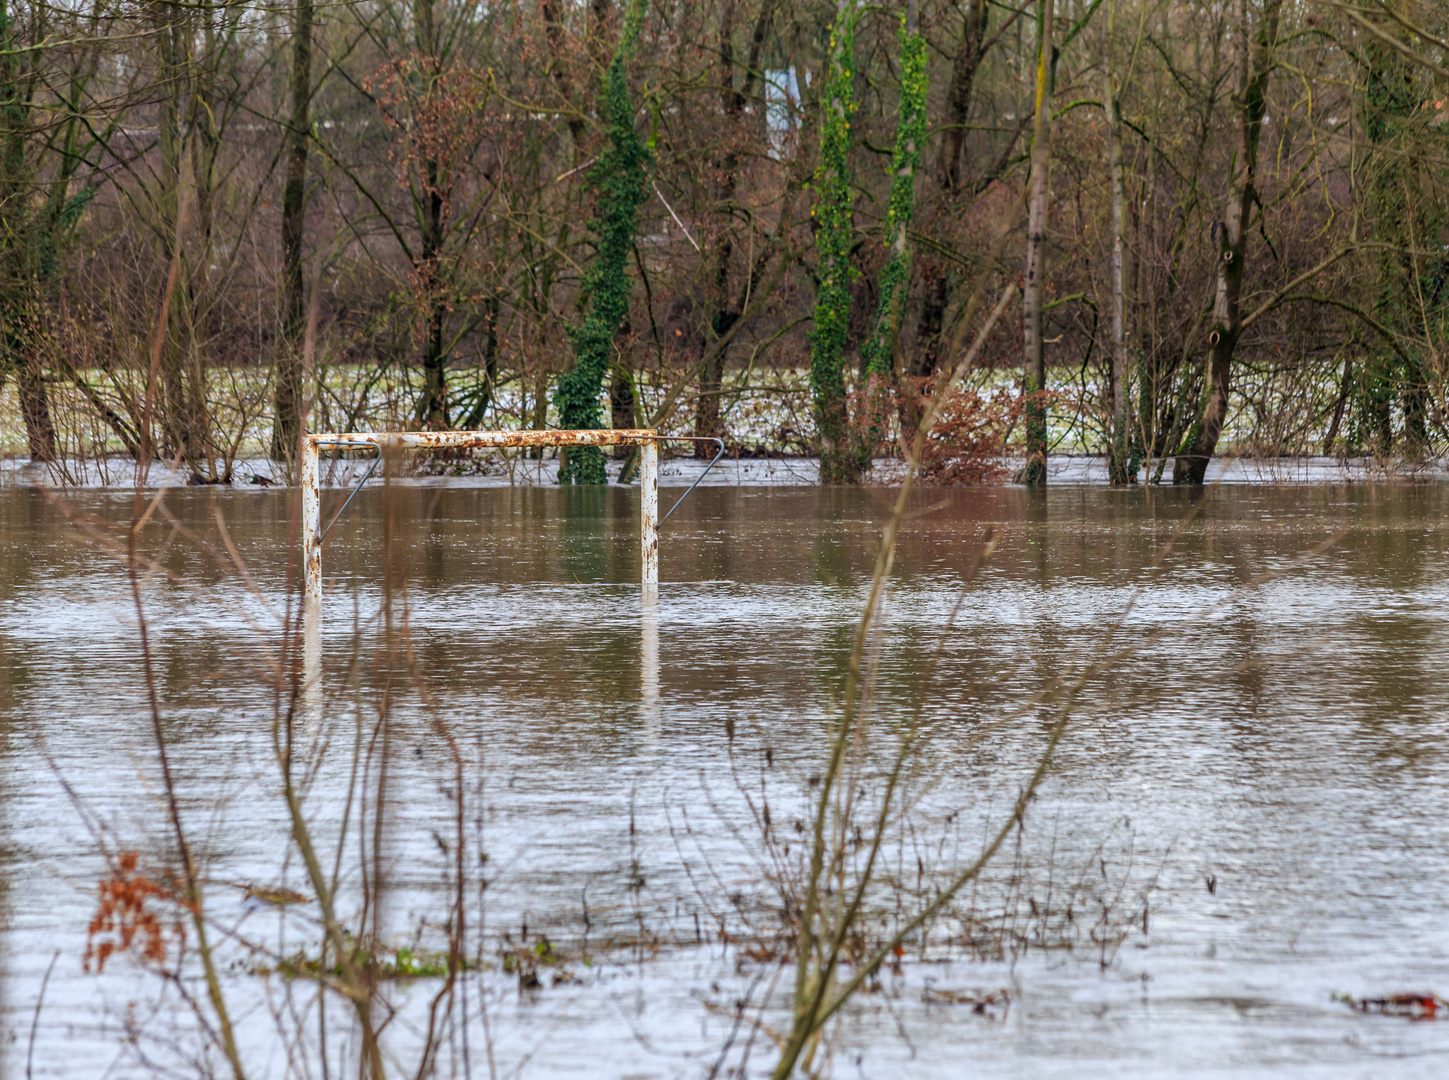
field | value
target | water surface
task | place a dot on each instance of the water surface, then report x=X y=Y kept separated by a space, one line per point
x=1266 y=773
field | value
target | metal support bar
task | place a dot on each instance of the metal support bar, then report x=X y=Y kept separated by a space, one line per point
x=311 y=579
x=311 y=527
x=372 y=468
x=713 y=461
x=649 y=520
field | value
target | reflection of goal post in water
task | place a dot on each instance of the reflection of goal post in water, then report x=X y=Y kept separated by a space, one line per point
x=314 y=532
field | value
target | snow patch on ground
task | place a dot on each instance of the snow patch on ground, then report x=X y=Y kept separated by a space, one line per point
x=1072 y=469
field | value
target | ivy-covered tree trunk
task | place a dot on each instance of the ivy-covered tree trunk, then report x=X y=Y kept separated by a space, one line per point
x=39 y=209
x=834 y=236
x=878 y=355
x=17 y=307
x=1393 y=98
x=619 y=177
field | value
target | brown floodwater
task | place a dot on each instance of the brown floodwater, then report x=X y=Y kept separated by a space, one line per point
x=1250 y=804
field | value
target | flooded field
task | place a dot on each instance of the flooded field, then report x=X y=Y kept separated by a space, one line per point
x=1246 y=817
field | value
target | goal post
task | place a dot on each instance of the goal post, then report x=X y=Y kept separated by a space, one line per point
x=313 y=531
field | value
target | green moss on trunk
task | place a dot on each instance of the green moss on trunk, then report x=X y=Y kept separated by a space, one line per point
x=618 y=176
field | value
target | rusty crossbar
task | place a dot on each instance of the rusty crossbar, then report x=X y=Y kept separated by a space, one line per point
x=313 y=533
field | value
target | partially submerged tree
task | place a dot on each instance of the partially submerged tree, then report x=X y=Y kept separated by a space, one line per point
x=879 y=358
x=46 y=147
x=722 y=310
x=619 y=177
x=1231 y=234
x=1407 y=223
x=834 y=241
x=1032 y=301
x=288 y=390
x=847 y=443
x=1121 y=460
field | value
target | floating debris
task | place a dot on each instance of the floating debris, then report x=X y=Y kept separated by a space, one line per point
x=981 y=1004
x=400 y=964
x=275 y=897
x=1412 y=1006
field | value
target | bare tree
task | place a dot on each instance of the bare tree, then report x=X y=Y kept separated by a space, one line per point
x=287 y=394
x=1034 y=349
x=1232 y=233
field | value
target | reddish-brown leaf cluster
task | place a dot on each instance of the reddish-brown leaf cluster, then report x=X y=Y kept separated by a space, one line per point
x=439 y=112
x=126 y=917
x=968 y=439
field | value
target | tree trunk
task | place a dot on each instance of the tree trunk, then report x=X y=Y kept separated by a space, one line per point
x=1344 y=386
x=433 y=405
x=178 y=424
x=619 y=176
x=1121 y=469
x=204 y=107
x=878 y=354
x=949 y=178
x=623 y=401
x=707 y=423
x=834 y=237
x=724 y=166
x=963 y=80
x=287 y=396
x=489 y=390
x=1416 y=410
x=1144 y=306
x=558 y=71
x=35 y=406
x=1232 y=234
x=17 y=304
x=1034 y=361
x=1390 y=100
x=725 y=313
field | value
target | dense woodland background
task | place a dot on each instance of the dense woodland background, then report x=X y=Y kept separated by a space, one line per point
x=221 y=223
